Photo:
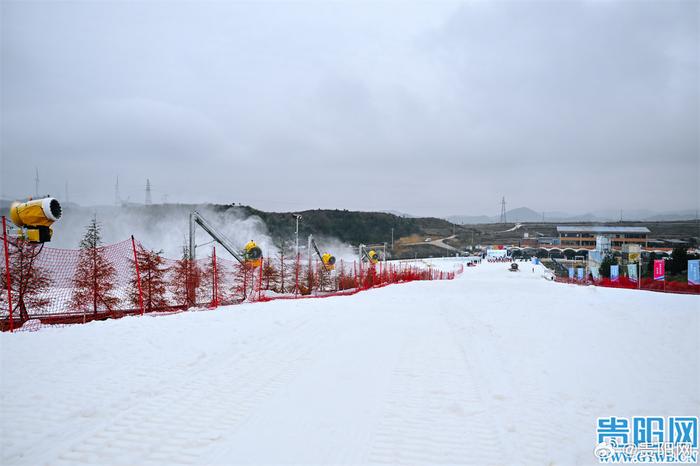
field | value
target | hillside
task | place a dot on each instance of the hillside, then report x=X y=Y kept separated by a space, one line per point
x=350 y=226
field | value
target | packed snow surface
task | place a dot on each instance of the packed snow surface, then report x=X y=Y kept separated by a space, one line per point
x=493 y=367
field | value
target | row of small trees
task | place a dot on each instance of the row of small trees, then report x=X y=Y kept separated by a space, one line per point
x=98 y=286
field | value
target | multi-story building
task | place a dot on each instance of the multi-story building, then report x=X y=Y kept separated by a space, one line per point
x=582 y=236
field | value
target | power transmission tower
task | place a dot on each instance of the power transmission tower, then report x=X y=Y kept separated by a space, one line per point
x=503 y=210
x=36 y=183
x=148 y=191
x=117 y=197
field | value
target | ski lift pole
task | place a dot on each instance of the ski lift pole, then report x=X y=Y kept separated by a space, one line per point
x=7 y=272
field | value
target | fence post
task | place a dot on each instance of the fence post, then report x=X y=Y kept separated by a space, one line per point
x=7 y=272
x=215 y=280
x=138 y=274
x=245 y=281
x=282 y=270
x=296 y=276
x=260 y=277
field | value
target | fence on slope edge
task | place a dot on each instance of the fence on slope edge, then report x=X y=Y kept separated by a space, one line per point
x=66 y=286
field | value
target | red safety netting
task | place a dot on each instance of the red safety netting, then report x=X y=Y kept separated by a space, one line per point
x=56 y=282
x=76 y=286
x=645 y=284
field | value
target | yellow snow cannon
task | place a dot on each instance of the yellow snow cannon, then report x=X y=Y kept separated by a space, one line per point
x=35 y=218
x=328 y=261
x=373 y=256
x=252 y=254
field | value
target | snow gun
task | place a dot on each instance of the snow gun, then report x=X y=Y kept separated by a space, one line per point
x=35 y=217
x=327 y=258
x=251 y=256
x=371 y=256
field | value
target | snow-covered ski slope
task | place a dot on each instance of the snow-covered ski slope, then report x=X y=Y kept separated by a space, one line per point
x=493 y=367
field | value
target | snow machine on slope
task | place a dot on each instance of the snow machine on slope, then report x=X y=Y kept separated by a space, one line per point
x=372 y=254
x=327 y=259
x=35 y=217
x=513 y=267
x=251 y=256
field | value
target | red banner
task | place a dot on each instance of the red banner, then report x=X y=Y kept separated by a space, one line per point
x=659 y=269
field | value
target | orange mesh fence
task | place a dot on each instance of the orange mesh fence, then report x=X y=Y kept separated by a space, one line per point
x=648 y=284
x=76 y=286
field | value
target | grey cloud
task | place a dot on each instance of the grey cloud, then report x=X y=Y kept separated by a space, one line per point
x=429 y=108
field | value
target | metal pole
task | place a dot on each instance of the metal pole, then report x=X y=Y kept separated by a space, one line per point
x=7 y=272
x=297 y=232
x=310 y=270
x=260 y=277
x=392 y=239
x=138 y=274
x=193 y=246
x=215 y=282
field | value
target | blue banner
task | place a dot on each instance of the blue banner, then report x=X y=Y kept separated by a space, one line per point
x=632 y=272
x=595 y=273
x=579 y=271
x=571 y=272
x=614 y=272
x=694 y=272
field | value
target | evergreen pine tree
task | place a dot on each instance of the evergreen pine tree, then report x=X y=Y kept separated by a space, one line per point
x=153 y=280
x=185 y=279
x=93 y=282
x=679 y=260
x=605 y=264
x=30 y=282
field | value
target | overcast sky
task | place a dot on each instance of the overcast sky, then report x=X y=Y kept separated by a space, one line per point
x=425 y=108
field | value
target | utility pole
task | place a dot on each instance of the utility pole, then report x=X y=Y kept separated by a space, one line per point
x=392 y=239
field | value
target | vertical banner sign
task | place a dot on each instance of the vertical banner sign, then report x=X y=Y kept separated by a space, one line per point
x=595 y=272
x=694 y=272
x=614 y=273
x=632 y=272
x=571 y=272
x=659 y=269
x=580 y=273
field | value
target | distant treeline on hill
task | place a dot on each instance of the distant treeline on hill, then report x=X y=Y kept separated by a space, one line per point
x=349 y=226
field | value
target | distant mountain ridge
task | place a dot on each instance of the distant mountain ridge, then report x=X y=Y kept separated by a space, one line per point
x=525 y=214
